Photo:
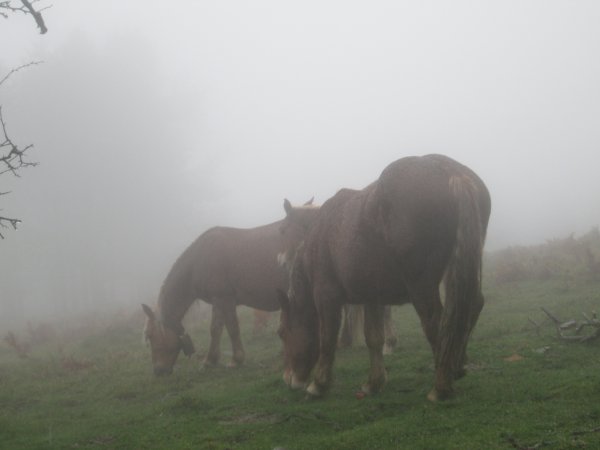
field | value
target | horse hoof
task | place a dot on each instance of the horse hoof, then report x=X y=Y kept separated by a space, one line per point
x=208 y=364
x=459 y=374
x=314 y=391
x=435 y=396
x=432 y=396
x=369 y=389
x=296 y=385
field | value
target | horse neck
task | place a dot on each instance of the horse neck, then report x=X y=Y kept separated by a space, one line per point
x=171 y=310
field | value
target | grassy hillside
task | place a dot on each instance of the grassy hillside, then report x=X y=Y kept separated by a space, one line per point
x=91 y=386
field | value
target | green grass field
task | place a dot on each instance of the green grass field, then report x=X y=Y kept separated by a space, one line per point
x=93 y=388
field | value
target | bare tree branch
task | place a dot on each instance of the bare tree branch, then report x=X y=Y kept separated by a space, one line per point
x=12 y=158
x=10 y=221
x=39 y=20
x=26 y=7
x=13 y=71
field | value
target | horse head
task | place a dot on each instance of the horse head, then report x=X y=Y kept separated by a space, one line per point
x=298 y=330
x=294 y=228
x=165 y=343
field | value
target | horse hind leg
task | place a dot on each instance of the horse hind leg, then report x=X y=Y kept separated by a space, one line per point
x=353 y=319
x=374 y=337
x=345 y=340
x=389 y=332
x=216 y=330
x=233 y=329
x=428 y=305
x=463 y=359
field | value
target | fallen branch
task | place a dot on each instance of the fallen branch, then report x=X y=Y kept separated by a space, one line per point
x=515 y=444
x=581 y=432
x=536 y=325
x=561 y=327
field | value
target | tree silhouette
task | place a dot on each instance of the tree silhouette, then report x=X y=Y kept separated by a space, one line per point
x=13 y=157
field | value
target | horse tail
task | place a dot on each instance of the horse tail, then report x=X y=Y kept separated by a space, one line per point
x=463 y=300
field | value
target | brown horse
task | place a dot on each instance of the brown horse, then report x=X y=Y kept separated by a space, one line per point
x=353 y=323
x=261 y=320
x=393 y=242
x=225 y=267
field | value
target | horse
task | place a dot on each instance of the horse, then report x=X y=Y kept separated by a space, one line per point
x=261 y=320
x=225 y=267
x=353 y=322
x=423 y=221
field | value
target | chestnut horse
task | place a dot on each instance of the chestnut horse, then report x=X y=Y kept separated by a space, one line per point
x=423 y=221
x=225 y=267
x=353 y=323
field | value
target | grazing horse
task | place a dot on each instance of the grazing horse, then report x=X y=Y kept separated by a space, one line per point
x=423 y=221
x=225 y=267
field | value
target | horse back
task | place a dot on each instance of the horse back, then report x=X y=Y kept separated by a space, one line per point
x=234 y=263
x=370 y=245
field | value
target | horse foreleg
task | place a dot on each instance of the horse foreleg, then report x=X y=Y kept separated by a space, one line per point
x=329 y=327
x=346 y=333
x=233 y=329
x=216 y=330
x=389 y=332
x=374 y=337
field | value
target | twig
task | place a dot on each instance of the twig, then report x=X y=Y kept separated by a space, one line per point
x=581 y=432
x=32 y=63
x=512 y=441
x=535 y=324
x=554 y=318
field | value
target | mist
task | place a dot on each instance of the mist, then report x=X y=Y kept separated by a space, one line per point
x=153 y=123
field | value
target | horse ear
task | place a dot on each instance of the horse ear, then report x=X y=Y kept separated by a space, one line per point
x=148 y=311
x=310 y=202
x=287 y=206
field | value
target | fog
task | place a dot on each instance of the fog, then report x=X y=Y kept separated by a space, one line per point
x=153 y=122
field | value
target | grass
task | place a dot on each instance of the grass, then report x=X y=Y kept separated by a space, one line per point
x=94 y=389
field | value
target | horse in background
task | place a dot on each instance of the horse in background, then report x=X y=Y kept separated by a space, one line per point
x=261 y=320
x=353 y=323
x=225 y=267
x=423 y=221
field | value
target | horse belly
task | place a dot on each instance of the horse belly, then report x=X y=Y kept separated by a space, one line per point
x=263 y=300
x=378 y=280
